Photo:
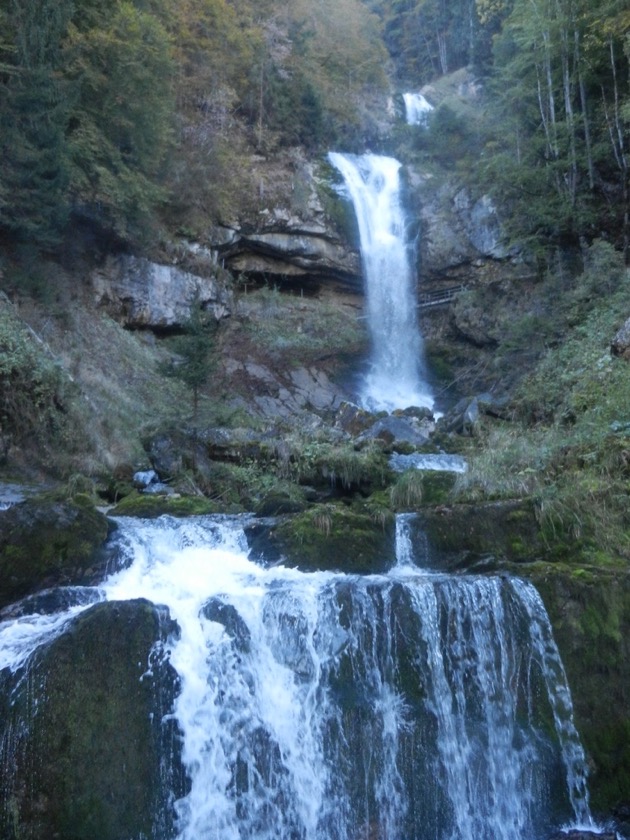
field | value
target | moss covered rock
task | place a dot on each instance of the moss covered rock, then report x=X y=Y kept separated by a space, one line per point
x=150 y=506
x=85 y=732
x=589 y=609
x=328 y=537
x=45 y=541
x=461 y=536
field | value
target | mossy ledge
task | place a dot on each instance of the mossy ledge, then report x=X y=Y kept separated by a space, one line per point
x=355 y=539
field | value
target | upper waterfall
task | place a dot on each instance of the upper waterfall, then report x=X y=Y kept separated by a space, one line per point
x=417 y=109
x=396 y=376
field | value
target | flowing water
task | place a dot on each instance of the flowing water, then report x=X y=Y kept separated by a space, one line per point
x=396 y=378
x=417 y=109
x=324 y=706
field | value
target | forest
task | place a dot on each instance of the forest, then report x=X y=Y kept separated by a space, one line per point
x=132 y=116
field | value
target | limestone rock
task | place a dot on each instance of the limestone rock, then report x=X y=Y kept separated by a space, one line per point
x=141 y=293
x=293 y=254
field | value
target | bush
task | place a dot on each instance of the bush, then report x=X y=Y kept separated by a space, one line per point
x=33 y=390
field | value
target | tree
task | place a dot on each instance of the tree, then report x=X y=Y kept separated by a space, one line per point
x=34 y=107
x=194 y=349
x=120 y=126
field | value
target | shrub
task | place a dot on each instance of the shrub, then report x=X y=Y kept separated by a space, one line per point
x=34 y=393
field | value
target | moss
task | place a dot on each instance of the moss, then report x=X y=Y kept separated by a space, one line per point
x=150 y=507
x=285 y=498
x=89 y=763
x=415 y=489
x=507 y=531
x=589 y=609
x=44 y=542
x=342 y=466
x=336 y=537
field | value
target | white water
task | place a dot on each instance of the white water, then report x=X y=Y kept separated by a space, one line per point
x=421 y=461
x=324 y=706
x=395 y=379
x=417 y=109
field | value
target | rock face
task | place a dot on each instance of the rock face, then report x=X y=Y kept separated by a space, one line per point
x=143 y=294
x=590 y=613
x=81 y=759
x=298 y=392
x=287 y=235
x=292 y=253
x=455 y=229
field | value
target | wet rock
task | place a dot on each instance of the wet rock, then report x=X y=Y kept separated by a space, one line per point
x=469 y=537
x=324 y=538
x=399 y=430
x=462 y=418
x=580 y=834
x=354 y=420
x=45 y=542
x=227 y=615
x=91 y=762
x=50 y=601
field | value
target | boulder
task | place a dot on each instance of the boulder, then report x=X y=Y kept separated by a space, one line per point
x=395 y=431
x=144 y=294
x=45 y=541
x=94 y=754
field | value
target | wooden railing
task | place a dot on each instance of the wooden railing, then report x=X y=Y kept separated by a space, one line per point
x=439 y=296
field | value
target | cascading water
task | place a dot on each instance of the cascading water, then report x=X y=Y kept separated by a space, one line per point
x=417 y=109
x=396 y=377
x=325 y=706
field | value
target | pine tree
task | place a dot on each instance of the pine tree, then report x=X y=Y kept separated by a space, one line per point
x=34 y=108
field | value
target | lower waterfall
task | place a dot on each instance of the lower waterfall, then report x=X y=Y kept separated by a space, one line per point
x=324 y=706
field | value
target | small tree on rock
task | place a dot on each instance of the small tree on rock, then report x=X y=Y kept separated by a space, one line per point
x=194 y=349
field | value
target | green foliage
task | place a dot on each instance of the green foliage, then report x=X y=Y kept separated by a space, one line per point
x=195 y=357
x=33 y=390
x=567 y=446
x=119 y=129
x=34 y=108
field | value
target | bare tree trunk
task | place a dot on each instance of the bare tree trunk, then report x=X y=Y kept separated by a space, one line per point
x=441 y=40
x=584 y=106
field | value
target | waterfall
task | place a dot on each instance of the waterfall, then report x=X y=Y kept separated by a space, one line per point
x=417 y=109
x=324 y=706
x=396 y=376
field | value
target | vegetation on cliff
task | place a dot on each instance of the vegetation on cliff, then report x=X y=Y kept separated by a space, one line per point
x=114 y=110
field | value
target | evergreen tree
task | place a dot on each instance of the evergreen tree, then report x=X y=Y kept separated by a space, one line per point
x=35 y=105
x=194 y=348
x=120 y=126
